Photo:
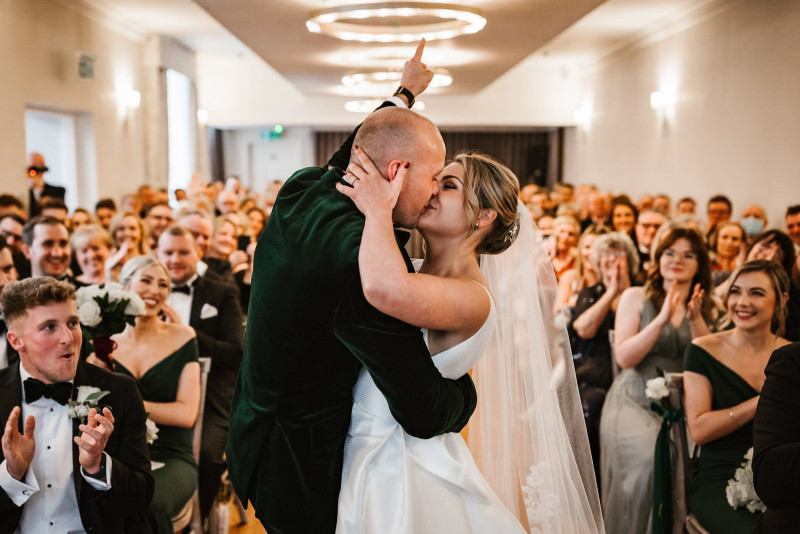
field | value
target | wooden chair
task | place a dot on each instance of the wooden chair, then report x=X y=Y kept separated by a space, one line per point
x=190 y=513
x=615 y=368
x=682 y=518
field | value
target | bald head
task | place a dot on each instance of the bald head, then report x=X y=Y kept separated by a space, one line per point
x=393 y=136
x=395 y=133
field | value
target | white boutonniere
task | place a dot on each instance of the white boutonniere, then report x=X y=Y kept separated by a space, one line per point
x=740 y=490
x=152 y=431
x=88 y=398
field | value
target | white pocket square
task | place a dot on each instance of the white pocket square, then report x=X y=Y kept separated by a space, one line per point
x=208 y=311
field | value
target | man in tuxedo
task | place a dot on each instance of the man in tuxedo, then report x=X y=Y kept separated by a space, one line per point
x=776 y=443
x=45 y=242
x=38 y=189
x=202 y=229
x=310 y=329
x=7 y=274
x=212 y=309
x=61 y=474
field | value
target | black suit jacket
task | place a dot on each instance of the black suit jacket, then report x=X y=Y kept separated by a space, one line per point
x=52 y=191
x=309 y=331
x=115 y=510
x=776 y=443
x=220 y=338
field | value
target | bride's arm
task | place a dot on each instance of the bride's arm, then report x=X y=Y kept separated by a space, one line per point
x=422 y=300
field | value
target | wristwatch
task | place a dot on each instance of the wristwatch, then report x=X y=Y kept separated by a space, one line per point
x=406 y=93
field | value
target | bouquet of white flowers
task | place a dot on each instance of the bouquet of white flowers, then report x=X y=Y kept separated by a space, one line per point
x=105 y=311
x=740 y=490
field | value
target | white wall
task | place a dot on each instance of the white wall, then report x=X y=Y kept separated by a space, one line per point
x=736 y=124
x=40 y=41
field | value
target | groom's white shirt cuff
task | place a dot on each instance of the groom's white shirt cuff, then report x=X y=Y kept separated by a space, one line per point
x=19 y=492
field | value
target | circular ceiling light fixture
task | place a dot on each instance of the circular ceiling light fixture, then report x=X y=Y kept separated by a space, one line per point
x=369 y=105
x=450 y=20
x=441 y=78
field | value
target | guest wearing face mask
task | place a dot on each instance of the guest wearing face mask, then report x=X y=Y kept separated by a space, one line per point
x=754 y=221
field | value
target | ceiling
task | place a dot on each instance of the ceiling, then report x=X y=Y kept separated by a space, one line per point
x=580 y=31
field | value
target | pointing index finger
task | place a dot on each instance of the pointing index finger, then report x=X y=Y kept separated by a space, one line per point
x=420 y=48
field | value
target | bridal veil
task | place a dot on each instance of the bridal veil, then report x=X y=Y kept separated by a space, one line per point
x=528 y=434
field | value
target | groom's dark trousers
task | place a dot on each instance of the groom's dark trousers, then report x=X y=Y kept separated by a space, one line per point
x=309 y=331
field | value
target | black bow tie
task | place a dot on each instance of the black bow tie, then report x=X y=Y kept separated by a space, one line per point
x=187 y=289
x=36 y=389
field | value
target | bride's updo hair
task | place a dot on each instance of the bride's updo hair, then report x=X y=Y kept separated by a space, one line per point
x=488 y=184
x=136 y=264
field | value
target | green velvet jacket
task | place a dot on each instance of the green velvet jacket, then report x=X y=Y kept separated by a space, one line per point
x=309 y=331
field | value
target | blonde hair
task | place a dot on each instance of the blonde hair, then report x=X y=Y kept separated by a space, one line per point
x=488 y=184
x=136 y=264
x=84 y=234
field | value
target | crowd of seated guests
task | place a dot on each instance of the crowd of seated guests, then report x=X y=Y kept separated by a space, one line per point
x=190 y=259
x=678 y=294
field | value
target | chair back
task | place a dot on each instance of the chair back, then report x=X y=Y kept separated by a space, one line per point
x=615 y=368
x=197 y=429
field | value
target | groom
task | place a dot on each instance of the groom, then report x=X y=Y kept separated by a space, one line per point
x=310 y=330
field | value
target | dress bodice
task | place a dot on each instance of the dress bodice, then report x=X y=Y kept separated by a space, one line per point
x=453 y=363
x=667 y=352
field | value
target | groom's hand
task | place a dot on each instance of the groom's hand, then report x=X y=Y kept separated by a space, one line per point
x=416 y=75
x=18 y=449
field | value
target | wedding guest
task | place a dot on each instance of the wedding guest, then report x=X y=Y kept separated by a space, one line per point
x=663 y=203
x=162 y=358
x=623 y=216
x=130 y=203
x=645 y=202
x=92 y=246
x=653 y=326
x=9 y=204
x=213 y=310
x=11 y=233
x=727 y=244
x=615 y=259
x=598 y=210
x=584 y=273
x=258 y=220
x=723 y=375
x=61 y=476
x=719 y=209
x=776 y=443
x=79 y=218
x=793 y=225
x=54 y=207
x=38 y=189
x=157 y=217
x=45 y=243
x=202 y=228
x=647 y=225
x=754 y=221
x=223 y=241
x=226 y=201
x=566 y=231
x=686 y=206
x=129 y=239
x=7 y=274
x=104 y=210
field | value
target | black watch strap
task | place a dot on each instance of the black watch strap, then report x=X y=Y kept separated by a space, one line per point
x=406 y=93
x=101 y=474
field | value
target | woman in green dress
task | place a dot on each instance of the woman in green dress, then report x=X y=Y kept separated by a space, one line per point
x=723 y=376
x=162 y=357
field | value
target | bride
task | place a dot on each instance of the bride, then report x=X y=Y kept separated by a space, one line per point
x=528 y=466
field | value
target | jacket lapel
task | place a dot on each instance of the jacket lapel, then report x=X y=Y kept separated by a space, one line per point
x=80 y=380
x=198 y=299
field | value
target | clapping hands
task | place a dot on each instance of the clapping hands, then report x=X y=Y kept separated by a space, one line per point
x=93 y=439
x=18 y=449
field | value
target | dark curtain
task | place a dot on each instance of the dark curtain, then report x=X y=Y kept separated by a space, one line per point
x=535 y=157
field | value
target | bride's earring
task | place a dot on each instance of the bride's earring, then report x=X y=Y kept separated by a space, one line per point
x=475 y=227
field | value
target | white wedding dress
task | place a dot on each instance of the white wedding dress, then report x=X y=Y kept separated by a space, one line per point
x=393 y=483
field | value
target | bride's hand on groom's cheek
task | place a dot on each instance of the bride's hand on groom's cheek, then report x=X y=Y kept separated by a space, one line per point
x=372 y=192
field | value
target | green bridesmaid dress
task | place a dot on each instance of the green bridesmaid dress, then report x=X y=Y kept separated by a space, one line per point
x=176 y=480
x=720 y=458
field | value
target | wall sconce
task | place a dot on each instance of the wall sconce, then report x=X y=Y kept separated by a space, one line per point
x=663 y=103
x=202 y=116
x=583 y=116
x=130 y=99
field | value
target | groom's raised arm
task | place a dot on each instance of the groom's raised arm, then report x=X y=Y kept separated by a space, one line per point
x=420 y=399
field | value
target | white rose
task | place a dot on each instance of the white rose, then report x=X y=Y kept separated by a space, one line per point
x=78 y=410
x=135 y=305
x=152 y=431
x=656 y=388
x=84 y=392
x=115 y=295
x=89 y=313
x=114 y=286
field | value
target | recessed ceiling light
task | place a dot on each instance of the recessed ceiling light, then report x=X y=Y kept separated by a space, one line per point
x=441 y=78
x=369 y=105
x=341 y=22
